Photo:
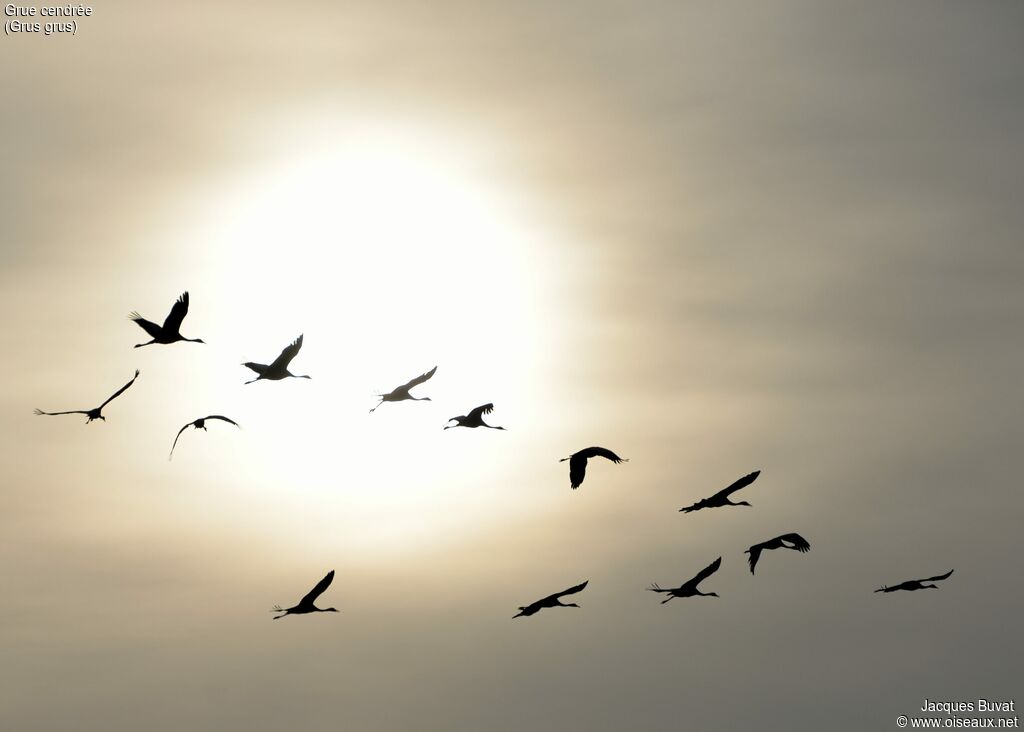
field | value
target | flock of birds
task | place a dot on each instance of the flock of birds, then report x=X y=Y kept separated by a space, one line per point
x=170 y=332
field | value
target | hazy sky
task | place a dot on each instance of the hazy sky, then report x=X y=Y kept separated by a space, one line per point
x=712 y=237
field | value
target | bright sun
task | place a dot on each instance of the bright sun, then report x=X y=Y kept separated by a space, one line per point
x=392 y=254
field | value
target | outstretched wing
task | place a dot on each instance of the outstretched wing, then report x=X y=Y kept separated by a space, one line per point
x=601 y=452
x=705 y=573
x=939 y=577
x=480 y=411
x=282 y=361
x=755 y=554
x=154 y=330
x=223 y=419
x=571 y=590
x=577 y=470
x=799 y=543
x=120 y=391
x=318 y=590
x=55 y=414
x=418 y=380
x=171 y=454
x=178 y=312
x=741 y=483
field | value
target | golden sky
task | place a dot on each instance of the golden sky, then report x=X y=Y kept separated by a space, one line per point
x=713 y=238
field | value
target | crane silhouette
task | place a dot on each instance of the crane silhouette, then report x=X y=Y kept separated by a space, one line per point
x=551 y=601
x=786 y=541
x=168 y=332
x=401 y=393
x=578 y=463
x=722 y=497
x=689 y=588
x=199 y=424
x=96 y=413
x=474 y=419
x=911 y=585
x=279 y=368
x=305 y=605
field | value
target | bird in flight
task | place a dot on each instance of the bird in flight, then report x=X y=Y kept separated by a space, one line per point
x=911 y=585
x=199 y=424
x=551 y=601
x=305 y=605
x=97 y=412
x=689 y=589
x=401 y=393
x=474 y=419
x=786 y=541
x=578 y=463
x=168 y=332
x=279 y=369
x=722 y=497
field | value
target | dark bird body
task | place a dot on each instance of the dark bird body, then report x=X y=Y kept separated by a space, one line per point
x=305 y=605
x=474 y=419
x=199 y=424
x=551 y=601
x=169 y=331
x=96 y=413
x=786 y=541
x=279 y=368
x=578 y=463
x=401 y=393
x=722 y=497
x=911 y=585
x=689 y=588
